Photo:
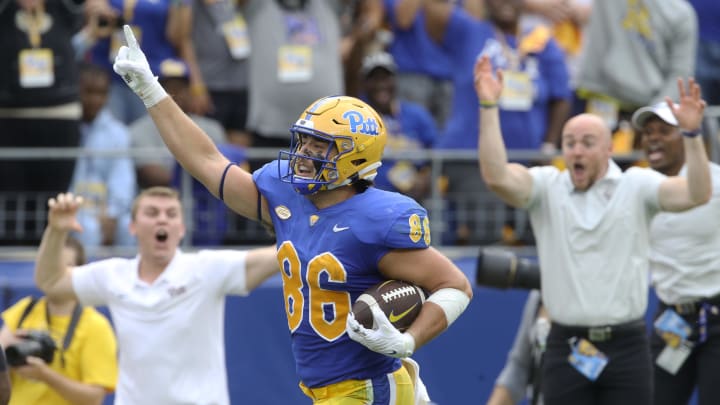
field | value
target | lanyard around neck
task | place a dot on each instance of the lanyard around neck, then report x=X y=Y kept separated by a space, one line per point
x=69 y=332
x=513 y=56
x=35 y=18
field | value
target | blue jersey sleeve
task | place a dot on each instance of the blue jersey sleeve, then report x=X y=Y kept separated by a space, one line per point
x=265 y=176
x=393 y=221
x=409 y=230
x=275 y=191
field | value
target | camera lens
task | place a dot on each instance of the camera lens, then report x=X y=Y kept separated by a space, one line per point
x=503 y=269
x=36 y=344
x=17 y=353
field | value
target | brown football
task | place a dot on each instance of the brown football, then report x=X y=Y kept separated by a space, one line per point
x=401 y=302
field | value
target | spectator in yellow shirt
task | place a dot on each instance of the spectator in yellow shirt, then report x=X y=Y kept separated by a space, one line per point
x=84 y=364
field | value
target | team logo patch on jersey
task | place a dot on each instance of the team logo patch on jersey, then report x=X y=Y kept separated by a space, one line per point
x=313 y=219
x=358 y=123
x=282 y=212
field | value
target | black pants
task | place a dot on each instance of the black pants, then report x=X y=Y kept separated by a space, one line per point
x=701 y=369
x=626 y=379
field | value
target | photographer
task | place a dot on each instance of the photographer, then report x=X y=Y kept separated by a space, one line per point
x=68 y=348
x=521 y=376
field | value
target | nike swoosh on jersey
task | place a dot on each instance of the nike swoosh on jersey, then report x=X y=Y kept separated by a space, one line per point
x=394 y=318
x=337 y=228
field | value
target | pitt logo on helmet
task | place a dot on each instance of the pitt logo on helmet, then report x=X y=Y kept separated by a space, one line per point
x=360 y=124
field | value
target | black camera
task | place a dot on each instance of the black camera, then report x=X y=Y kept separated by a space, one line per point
x=503 y=269
x=34 y=343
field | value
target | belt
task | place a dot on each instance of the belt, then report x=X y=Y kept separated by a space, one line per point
x=692 y=308
x=601 y=333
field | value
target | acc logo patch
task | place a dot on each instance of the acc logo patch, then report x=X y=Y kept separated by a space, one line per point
x=358 y=123
x=282 y=212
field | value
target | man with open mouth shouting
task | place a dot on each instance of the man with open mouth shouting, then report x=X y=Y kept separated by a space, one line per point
x=336 y=237
x=685 y=270
x=592 y=224
x=167 y=305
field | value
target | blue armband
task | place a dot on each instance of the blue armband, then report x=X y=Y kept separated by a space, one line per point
x=221 y=191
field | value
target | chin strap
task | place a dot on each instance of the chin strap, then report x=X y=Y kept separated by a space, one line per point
x=361 y=174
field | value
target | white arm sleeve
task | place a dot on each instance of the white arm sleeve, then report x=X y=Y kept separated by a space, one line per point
x=452 y=301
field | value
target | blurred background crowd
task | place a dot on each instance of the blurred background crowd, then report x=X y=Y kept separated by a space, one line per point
x=243 y=69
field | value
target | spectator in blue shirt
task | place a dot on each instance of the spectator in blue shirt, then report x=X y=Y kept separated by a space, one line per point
x=107 y=183
x=424 y=72
x=533 y=107
x=531 y=115
x=410 y=128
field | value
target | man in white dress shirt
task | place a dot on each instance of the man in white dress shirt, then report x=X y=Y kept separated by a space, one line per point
x=592 y=224
x=685 y=270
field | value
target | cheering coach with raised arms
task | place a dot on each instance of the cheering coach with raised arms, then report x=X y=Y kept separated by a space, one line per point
x=591 y=223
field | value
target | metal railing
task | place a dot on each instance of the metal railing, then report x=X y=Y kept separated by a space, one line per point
x=439 y=204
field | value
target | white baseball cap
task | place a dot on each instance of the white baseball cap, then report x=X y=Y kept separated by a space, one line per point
x=660 y=110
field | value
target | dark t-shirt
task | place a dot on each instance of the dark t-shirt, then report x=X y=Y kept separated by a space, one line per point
x=62 y=19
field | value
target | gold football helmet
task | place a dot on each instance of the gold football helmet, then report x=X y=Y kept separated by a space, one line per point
x=356 y=136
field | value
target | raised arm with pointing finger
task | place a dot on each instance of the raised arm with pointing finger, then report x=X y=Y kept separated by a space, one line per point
x=187 y=142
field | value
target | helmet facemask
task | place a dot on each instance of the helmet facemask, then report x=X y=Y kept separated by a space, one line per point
x=324 y=167
x=355 y=136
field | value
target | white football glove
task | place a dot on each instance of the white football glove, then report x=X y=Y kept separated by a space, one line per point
x=384 y=339
x=132 y=65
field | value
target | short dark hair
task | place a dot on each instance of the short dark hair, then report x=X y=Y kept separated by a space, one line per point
x=361 y=185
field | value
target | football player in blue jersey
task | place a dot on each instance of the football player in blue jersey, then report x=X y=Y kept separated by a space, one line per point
x=336 y=236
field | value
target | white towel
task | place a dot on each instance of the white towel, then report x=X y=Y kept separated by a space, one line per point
x=421 y=394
